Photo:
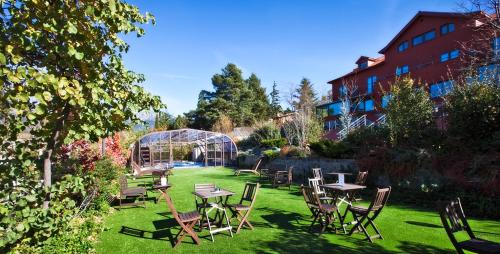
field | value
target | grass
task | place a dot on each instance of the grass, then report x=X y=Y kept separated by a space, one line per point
x=281 y=221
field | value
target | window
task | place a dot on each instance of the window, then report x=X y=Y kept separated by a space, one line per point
x=496 y=46
x=449 y=55
x=334 y=109
x=385 y=100
x=363 y=65
x=370 y=83
x=403 y=46
x=454 y=54
x=342 y=91
x=447 y=28
x=402 y=70
x=441 y=88
x=424 y=37
x=444 y=57
x=489 y=73
x=369 y=105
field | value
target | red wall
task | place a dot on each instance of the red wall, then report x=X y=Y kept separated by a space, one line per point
x=423 y=60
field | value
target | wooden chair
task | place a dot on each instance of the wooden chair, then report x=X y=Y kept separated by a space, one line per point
x=283 y=178
x=187 y=221
x=322 y=213
x=453 y=218
x=315 y=183
x=200 y=187
x=360 y=213
x=253 y=170
x=241 y=211
x=126 y=191
x=360 y=180
x=318 y=173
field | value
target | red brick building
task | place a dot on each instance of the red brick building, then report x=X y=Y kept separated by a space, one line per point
x=429 y=48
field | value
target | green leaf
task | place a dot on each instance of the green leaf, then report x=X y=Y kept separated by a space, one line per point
x=79 y=55
x=72 y=28
x=3 y=60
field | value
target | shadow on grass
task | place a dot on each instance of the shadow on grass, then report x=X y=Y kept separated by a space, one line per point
x=418 y=248
x=423 y=224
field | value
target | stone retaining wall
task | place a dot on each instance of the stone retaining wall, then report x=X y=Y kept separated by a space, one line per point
x=302 y=166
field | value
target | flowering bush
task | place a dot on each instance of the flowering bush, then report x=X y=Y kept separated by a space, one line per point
x=75 y=156
x=114 y=150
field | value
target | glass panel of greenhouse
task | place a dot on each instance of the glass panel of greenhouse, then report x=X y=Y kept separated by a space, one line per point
x=184 y=148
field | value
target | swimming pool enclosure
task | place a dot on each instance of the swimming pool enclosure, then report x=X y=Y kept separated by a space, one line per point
x=176 y=146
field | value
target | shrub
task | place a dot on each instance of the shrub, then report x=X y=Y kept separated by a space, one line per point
x=271 y=154
x=473 y=112
x=276 y=142
x=409 y=112
x=331 y=149
x=368 y=137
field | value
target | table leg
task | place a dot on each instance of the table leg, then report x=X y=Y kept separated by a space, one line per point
x=203 y=212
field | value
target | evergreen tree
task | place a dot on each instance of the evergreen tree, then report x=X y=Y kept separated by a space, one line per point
x=260 y=106
x=275 y=101
x=305 y=96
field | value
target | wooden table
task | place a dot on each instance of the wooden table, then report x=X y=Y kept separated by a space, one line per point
x=343 y=193
x=221 y=196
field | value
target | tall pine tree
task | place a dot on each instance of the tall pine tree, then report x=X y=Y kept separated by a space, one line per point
x=305 y=96
x=275 y=101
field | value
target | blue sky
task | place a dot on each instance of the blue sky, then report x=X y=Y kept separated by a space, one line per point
x=277 y=40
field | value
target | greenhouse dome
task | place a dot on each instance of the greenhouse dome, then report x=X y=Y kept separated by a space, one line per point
x=184 y=148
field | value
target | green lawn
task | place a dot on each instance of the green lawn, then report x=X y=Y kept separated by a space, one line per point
x=281 y=221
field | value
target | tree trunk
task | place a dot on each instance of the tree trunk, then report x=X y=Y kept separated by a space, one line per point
x=47 y=175
x=47 y=159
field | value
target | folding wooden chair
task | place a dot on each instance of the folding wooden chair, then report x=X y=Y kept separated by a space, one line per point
x=187 y=221
x=453 y=218
x=322 y=213
x=253 y=170
x=241 y=211
x=369 y=214
x=323 y=197
x=360 y=180
x=283 y=178
x=125 y=191
x=318 y=173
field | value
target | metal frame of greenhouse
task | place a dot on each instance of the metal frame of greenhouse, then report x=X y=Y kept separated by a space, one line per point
x=209 y=148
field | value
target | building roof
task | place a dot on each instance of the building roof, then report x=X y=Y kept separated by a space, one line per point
x=374 y=62
x=424 y=13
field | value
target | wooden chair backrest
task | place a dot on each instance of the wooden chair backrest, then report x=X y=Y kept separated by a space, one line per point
x=204 y=186
x=453 y=218
x=379 y=200
x=314 y=183
x=171 y=206
x=361 y=178
x=290 y=175
x=310 y=196
x=249 y=193
x=317 y=173
x=257 y=164
x=135 y=168
x=123 y=183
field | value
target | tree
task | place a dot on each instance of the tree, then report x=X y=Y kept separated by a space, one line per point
x=162 y=120
x=303 y=129
x=275 y=100
x=348 y=103
x=243 y=101
x=261 y=108
x=409 y=112
x=62 y=76
x=180 y=122
x=223 y=125
x=305 y=96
